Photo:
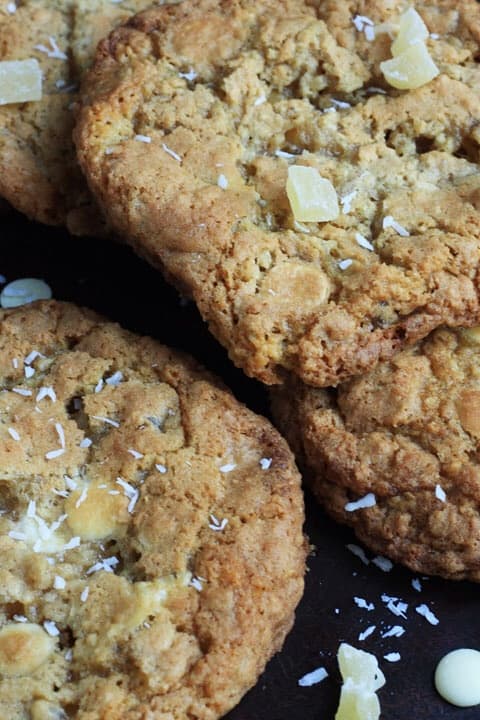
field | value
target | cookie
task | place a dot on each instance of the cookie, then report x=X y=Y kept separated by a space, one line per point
x=395 y=453
x=39 y=174
x=187 y=142
x=151 y=527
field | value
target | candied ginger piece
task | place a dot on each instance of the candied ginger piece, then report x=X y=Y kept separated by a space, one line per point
x=411 y=69
x=20 y=81
x=312 y=197
x=361 y=667
x=361 y=679
x=411 y=30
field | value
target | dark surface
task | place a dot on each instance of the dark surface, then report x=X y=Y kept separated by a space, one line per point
x=110 y=279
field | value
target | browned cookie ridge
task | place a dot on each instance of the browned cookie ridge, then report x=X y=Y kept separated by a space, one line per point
x=151 y=527
x=191 y=118
x=39 y=174
x=396 y=453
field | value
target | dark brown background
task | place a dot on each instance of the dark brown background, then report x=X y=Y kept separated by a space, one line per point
x=110 y=279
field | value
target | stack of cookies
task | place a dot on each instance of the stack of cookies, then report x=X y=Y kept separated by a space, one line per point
x=308 y=174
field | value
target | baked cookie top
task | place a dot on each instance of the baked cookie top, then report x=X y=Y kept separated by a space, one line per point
x=39 y=174
x=151 y=527
x=396 y=453
x=191 y=118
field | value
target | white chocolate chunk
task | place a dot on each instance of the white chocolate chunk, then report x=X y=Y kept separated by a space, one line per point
x=472 y=333
x=23 y=648
x=457 y=677
x=411 y=30
x=312 y=197
x=96 y=514
x=410 y=69
x=23 y=291
x=361 y=679
x=20 y=81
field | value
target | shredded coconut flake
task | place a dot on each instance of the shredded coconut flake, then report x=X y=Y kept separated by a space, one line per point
x=367 y=632
x=46 y=392
x=190 y=75
x=265 y=463
x=388 y=222
x=344 y=264
x=392 y=657
x=383 y=563
x=22 y=391
x=115 y=379
x=171 y=152
x=363 y=242
x=284 y=154
x=85 y=443
x=394 y=631
x=137 y=455
x=358 y=552
x=395 y=605
x=99 y=386
x=365 y=502
x=216 y=524
x=73 y=543
x=130 y=492
x=222 y=181
x=54 y=454
x=161 y=468
x=29 y=372
x=51 y=628
x=20 y=618
x=59 y=582
x=32 y=356
x=346 y=201
x=417 y=585
x=197 y=583
x=15 y=535
x=13 y=434
x=106 y=564
x=114 y=423
x=82 y=498
x=84 y=595
x=143 y=138
x=228 y=467
x=363 y=604
x=53 y=51
x=440 y=493
x=260 y=100
x=314 y=677
x=427 y=614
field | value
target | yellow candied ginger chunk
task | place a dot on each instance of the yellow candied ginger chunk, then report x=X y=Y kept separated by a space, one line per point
x=361 y=679
x=312 y=197
x=410 y=69
x=20 y=81
x=411 y=30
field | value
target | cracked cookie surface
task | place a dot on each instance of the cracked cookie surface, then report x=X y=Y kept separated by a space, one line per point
x=186 y=142
x=150 y=562
x=407 y=433
x=39 y=174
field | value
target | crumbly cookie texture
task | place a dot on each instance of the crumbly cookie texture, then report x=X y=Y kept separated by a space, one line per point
x=191 y=117
x=150 y=562
x=408 y=432
x=39 y=174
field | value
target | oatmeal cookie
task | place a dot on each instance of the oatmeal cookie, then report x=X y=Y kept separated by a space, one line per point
x=151 y=527
x=396 y=453
x=39 y=174
x=191 y=118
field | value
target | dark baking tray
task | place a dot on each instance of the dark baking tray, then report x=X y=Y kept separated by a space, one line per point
x=110 y=279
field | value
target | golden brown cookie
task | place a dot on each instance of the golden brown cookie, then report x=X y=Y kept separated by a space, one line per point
x=39 y=174
x=191 y=118
x=396 y=453
x=151 y=527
